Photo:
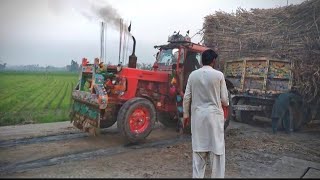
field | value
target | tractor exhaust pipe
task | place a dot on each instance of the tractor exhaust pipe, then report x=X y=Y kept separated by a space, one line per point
x=133 y=57
x=102 y=42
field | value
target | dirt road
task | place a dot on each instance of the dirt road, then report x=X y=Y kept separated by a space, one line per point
x=59 y=150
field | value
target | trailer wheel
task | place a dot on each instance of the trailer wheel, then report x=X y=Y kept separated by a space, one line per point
x=136 y=119
x=243 y=116
x=297 y=119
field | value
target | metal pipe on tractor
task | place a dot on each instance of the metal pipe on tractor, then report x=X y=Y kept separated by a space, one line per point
x=133 y=57
x=102 y=47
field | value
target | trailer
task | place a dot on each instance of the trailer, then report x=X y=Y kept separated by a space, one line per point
x=257 y=82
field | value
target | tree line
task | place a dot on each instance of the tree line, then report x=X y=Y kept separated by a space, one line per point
x=72 y=67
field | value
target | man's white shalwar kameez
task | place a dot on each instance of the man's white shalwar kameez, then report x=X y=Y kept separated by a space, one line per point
x=206 y=91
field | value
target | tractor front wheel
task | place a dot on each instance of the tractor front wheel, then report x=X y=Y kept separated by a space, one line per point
x=136 y=119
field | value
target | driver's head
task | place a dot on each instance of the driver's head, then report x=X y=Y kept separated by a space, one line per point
x=209 y=57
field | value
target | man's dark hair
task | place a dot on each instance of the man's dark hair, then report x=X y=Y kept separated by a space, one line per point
x=208 y=56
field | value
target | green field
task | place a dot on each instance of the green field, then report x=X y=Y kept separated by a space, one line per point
x=35 y=97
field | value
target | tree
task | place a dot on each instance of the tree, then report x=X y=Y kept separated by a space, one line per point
x=144 y=66
x=74 y=67
x=3 y=66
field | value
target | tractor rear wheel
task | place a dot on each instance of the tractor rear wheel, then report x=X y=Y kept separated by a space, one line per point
x=109 y=118
x=108 y=123
x=167 y=119
x=226 y=123
x=136 y=119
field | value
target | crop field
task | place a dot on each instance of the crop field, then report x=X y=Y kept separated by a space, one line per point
x=35 y=97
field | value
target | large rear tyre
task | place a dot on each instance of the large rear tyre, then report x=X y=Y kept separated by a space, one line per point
x=167 y=119
x=230 y=109
x=108 y=123
x=136 y=119
x=109 y=118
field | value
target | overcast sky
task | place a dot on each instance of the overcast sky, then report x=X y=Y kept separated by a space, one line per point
x=53 y=32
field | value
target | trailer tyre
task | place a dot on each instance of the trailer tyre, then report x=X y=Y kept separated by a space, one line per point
x=136 y=119
x=243 y=116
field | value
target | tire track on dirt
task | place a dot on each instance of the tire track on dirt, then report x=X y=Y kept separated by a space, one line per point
x=85 y=155
x=49 y=138
x=54 y=137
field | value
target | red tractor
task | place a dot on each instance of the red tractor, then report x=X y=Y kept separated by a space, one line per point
x=135 y=98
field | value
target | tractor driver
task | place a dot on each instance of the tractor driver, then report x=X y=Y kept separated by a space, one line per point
x=190 y=65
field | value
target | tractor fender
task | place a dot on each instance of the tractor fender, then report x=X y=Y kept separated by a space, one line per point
x=148 y=98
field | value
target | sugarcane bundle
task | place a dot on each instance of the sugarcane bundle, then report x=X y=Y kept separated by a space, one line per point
x=289 y=33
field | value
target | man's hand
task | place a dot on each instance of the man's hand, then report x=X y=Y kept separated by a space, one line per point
x=186 y=122
x=225 y=112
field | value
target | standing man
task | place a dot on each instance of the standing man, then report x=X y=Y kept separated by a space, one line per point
x=288 y=110
x=206 y=91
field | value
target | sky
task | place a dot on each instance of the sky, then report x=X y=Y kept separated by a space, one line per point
x=54 y=32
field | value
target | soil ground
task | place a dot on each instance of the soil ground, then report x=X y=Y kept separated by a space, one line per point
x=59 y=150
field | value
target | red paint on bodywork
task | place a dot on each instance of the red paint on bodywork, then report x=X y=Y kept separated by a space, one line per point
x=135 y=75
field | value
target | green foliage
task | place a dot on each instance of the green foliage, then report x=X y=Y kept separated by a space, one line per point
x=35 y=97
x=74 y=67
x=144 y=66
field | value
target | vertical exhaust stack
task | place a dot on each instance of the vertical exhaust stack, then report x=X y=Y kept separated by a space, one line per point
x=133 y=57
x=102 y=48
